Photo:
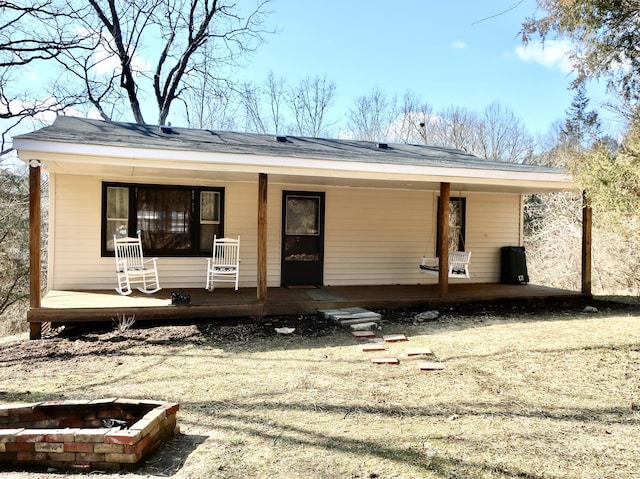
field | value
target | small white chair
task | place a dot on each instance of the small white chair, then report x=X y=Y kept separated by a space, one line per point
x=224 y=264
x=131 y=267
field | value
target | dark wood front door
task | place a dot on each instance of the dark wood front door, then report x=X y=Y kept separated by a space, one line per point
x=302 y=238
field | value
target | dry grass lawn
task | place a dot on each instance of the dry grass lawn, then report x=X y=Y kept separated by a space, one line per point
x=550 y=396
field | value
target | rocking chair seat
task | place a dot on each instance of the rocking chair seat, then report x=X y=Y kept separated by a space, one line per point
x=224 y=264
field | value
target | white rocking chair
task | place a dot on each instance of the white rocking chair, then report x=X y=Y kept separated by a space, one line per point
x=131 y=267
x=224 y=264
x=458 y=265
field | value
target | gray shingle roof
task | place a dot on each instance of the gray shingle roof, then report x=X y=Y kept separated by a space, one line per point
x=96 y=132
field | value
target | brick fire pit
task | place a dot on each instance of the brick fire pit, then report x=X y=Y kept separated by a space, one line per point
x=102 y=434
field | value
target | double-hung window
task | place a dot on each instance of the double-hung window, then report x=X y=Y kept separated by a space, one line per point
x=172 y=220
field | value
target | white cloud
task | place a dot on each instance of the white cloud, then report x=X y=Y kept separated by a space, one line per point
x=105 y=59
x=459 y=45
x=550 y=54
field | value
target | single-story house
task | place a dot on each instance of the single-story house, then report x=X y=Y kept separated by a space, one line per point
x=309 y=211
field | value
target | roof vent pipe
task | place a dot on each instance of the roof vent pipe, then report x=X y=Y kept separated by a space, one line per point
x=166 y=129
x=281 y=139
x=383 y=146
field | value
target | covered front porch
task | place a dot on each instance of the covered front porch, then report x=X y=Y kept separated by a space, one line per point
x=95 y=306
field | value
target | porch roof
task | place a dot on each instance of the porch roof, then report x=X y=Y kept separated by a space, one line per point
x=85 y=146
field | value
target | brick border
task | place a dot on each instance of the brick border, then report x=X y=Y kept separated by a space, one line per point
x=67 y=435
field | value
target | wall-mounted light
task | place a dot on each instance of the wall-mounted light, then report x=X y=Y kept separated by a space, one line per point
x=36 y=164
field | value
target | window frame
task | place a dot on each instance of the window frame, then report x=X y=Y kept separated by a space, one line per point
x=196 y=220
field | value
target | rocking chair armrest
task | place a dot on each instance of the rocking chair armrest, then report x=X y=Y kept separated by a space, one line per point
x=151 y=260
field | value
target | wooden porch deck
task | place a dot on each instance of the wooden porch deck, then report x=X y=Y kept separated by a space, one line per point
x=93 y=306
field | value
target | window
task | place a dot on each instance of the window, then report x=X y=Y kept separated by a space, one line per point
x=457 y=214
x=172 y=220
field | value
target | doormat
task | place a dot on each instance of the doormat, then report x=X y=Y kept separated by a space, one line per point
x=301 y=286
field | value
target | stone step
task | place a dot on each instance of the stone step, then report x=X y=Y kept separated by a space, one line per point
x=349 y=316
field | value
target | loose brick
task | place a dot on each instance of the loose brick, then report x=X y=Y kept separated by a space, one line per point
x=46 y=404
x=92 y=435
x=108 y=448
x=122 y=458
x=104 y=401
x=144 y=426
x=139 y=447
x=89 y=456
x=155 y=414
x=9 y=435
x=32 y=435
x=171 y=408
x=79 y=446
x=20 y=447
x=151 y=402
x=127 y=436
x=367 y=348
x=31 y=456
x=431 y=366
x=389 y=360
x=61 y=435
x=75 y=402
x=62 y=456
x=49 y=447
x=392 y=338
x=17 y=409
x=363 y=334
x=419 y=352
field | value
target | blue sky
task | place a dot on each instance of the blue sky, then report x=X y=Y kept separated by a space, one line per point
x=463 y=53
x=448 y=53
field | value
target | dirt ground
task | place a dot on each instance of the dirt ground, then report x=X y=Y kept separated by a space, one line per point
x=105 y=339
x=78 y=343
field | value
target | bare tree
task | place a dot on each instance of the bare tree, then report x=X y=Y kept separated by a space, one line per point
x=416 y=122
x=310 y=101
x=275 y=91
x=458 y=128
x=371 y=117
x=123 y=62
x=501 y=136
x=22 y=44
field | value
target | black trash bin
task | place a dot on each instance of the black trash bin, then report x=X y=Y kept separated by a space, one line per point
x=513 y=265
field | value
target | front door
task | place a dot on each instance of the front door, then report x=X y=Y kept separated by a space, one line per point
x=302 y=238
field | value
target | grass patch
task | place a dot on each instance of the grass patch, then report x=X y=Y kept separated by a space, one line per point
x=547 y=396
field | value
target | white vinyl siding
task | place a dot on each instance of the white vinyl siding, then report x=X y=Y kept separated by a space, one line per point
x=372 y=236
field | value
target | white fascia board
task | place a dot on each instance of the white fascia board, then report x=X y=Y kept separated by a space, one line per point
x=172 y=159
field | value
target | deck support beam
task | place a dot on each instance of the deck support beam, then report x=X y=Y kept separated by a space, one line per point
x=35 y=258
x=443 y=240
x=586 y=243
x=262 y=238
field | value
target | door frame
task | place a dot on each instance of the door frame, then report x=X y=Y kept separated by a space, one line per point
x=291 y=273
